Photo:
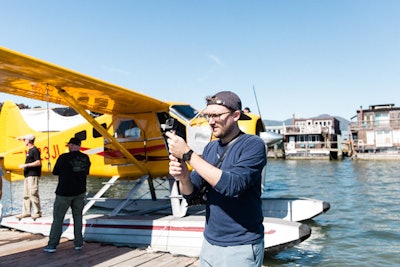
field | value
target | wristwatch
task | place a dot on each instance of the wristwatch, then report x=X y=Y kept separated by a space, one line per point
x=187 y=156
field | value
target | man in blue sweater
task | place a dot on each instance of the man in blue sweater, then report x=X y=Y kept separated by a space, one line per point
x=229 y=172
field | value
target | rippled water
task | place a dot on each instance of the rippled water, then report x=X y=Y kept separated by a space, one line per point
x=362 y=227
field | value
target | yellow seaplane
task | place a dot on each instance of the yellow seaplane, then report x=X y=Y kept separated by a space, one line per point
x=51 y=129
x=123 y=135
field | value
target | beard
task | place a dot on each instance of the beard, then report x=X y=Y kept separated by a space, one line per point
x=222 y=131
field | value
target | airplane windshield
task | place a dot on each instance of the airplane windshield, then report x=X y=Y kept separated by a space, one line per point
x=185 y=111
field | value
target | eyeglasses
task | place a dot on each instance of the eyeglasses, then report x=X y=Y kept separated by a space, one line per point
x=214 y=116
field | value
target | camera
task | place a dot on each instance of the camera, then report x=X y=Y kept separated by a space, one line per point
x=170 y=125
x=173 y=125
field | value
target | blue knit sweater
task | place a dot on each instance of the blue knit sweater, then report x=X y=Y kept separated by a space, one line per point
x=233 y=208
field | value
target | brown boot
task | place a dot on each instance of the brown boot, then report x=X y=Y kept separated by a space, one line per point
x=37 y=215
x=19 y=217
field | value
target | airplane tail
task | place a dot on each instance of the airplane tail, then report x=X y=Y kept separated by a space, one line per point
x=12 y=126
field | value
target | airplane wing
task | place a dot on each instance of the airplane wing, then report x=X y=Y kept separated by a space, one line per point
x=32 y=78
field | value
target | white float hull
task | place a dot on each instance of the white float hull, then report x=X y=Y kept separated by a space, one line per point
x=159 y=233
x=294 y=209
x=289 y=209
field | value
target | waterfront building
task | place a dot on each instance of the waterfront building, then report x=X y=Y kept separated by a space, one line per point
x=376 y=132
x=310 y=138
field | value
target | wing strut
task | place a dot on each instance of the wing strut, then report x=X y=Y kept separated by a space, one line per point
x=48 y=125
x=73 y=103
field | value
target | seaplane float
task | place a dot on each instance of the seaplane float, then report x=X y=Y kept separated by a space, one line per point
x=123 y=136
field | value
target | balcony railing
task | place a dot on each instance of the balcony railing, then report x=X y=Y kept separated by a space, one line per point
x=307 y=129
x=374 y=125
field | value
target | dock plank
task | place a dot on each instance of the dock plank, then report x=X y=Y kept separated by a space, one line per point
x=25 y=249
x=167 y=261
x=25 y=243
x=118 y=260
x=143 y=259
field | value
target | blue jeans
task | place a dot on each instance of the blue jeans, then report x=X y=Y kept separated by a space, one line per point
x=61 y=205
x=241 y=256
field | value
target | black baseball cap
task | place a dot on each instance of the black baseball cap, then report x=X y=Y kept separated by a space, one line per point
x=228 y=99
x=75 y=141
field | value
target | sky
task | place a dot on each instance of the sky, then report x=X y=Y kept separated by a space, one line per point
x=282 y=57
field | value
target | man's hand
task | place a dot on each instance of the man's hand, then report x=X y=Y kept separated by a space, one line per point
x=22 y=166
x=177 y=146
x=176 y=167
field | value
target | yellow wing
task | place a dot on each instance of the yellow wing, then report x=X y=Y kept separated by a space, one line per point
x=29 y=77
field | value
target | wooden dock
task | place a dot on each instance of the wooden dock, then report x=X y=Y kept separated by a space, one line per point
x=26 y=249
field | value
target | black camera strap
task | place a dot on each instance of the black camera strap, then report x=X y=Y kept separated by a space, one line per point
x=223 y=155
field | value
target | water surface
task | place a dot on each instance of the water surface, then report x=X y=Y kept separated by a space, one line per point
x=362 y=228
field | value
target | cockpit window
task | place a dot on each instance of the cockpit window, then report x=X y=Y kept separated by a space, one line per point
x=186 y=111
x=128 y=129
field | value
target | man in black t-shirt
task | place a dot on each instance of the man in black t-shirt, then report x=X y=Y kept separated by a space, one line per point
x=32 y=172
x=72 y=169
